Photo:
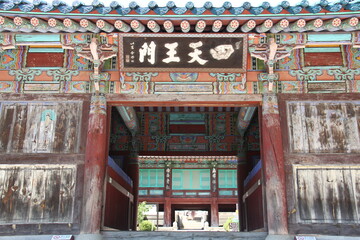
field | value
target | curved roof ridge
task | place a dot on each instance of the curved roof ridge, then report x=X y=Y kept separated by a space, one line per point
x=97 y=7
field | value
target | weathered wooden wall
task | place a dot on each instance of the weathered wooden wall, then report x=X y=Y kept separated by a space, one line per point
x=40 y=127
x=322 y=162
x=42 y=152
x=327 y=194
x=37 y=193
x=324 y=127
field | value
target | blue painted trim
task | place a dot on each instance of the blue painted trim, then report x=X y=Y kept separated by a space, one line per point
x=329 y=37
x=253 y=172
x=118 y=170
x=321 y=49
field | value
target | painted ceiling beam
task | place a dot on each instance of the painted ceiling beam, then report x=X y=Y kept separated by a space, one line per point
x=128 y=114
x=169 y=26
x=40 y=25
x=60 y=7
x=137 y=26
x=153 y=26
x=297 y=26
x=350 y=24
x=281 y=25
x=23 y=24
x=89 y=26
x=72 y=26
x=244 y=118
x=200 y=26
x=7 y=24
x=185 y=26
x=314 y=25
x=122 y=26
x=85 y=25
x=56 y=25
x=332 y=24
x=104 y=26
x=217 y=25
x=232 y=26
x=248 y=26
x=265 y=26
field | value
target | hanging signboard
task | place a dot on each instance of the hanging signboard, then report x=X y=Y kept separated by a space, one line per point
x=183 y=52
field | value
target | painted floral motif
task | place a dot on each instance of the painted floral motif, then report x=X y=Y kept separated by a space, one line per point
x=62 y=74
x=306 y=74
x=25 y=74
x=184 y=77
x=344 y=73
x=142 y=76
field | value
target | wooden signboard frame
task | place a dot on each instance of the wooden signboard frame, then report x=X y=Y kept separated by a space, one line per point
x=191 y=52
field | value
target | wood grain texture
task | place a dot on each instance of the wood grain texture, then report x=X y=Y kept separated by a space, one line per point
x=321 y=200
x=324 y=127
x=273 y=164
x=327 y=194
x=33 y=127
x=37 y=193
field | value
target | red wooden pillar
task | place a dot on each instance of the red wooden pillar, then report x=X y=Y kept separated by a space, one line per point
x=273 y=164
x=242 y=172
x=95 y=160
x=167 y=212
x=214 y=212
x=215 y=196
x=133 y=173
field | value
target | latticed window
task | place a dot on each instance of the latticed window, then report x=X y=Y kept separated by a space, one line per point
x=227 y=178
x=191 y=179
x=151 y=178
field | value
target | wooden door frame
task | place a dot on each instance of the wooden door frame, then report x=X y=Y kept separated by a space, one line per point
x=179 y=100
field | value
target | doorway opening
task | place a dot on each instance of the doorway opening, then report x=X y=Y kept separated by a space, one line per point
x=199 y=165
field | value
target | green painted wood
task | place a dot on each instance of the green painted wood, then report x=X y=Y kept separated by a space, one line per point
x=322 y=49
x=191 y=179
x=37 y=38
x=151 y=178
x=227 y=178
x=329 y=37
x=46 y=50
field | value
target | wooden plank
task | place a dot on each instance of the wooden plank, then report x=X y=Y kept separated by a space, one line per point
x=187 y=100
x=32 y=127
x=329 y=37
x=323 y=59
x=6 y=127
x=326 y=194
x=52 y=184
x=67 y=193
x=45 y=59
x=37 y=37
x=19 y=128
x=33 y=194
x=37 y=196
x=351 y=127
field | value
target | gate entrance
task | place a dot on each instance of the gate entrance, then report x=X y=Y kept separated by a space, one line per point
x=196 y=162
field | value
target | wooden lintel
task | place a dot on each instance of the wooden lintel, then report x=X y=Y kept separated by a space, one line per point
x=184 y=100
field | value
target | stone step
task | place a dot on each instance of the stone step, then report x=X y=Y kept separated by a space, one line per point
x=184 y=235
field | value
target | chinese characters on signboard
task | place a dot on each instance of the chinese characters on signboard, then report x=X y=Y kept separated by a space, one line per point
x=180 y=52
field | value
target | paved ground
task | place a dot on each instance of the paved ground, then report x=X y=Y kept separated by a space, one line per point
x=113 y=235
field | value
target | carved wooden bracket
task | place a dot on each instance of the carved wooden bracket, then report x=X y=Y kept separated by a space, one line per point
x=96 y=53
x=270 y=53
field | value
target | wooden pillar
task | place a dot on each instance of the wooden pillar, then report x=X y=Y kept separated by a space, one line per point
x=242 y=171
x=273 y=164
x=133 y=173
x=214 y=212
x=95 y=159
x=167 y=212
